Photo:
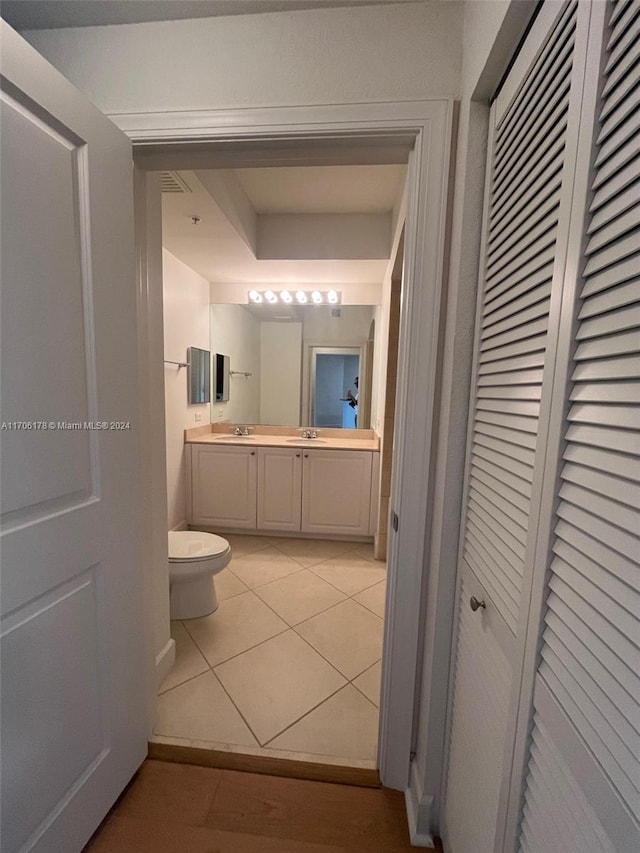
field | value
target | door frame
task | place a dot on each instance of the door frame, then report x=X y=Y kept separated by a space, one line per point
x=429 y=126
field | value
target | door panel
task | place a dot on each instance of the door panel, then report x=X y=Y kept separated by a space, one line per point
x=586 y=724
x=336 y=492
x=527 y=179
x=224 y=483
x=279 y=489
x=73 y=675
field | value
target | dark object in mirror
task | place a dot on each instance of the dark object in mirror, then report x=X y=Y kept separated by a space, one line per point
x=222 y=365
x=199 y=375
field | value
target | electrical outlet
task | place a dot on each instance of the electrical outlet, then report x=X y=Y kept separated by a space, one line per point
x=198 y=417
x=220 y=414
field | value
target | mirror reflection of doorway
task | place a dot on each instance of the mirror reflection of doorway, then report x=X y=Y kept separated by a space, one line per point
x=334 y=387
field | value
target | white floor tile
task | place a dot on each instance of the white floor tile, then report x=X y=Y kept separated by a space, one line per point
x=350 y=573
x=277 y=682
x=200 y=710
x=228 y=585
x=189 y=660
x=299 y=596
x=369 y=683
x=242 y=543
x=365 y=549
x=373 y=598
x=310 y=552
x=263 y=566
x=348 y=635
x=346 y=725
x=238 y=624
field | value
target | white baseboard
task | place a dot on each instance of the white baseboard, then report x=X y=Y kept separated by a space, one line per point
x=164 y=661
x=418 y=811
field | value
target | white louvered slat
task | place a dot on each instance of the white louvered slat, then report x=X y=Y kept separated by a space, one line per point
x=590 y=652
x=556 y=806
x=625 y=443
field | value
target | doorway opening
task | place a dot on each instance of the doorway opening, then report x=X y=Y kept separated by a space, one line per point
x=289 y=666
x=335 y=371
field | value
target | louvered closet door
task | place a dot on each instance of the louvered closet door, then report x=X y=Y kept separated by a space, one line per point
x=525 y=185
x=583 y=783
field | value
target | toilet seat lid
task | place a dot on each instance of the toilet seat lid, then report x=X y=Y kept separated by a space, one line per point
x=195 y=545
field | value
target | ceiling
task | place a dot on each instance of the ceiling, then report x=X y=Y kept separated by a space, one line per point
x=222 y=247
x=51 y=14
x=322 y=189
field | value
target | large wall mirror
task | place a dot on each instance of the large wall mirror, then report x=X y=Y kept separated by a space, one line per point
x=309 y=365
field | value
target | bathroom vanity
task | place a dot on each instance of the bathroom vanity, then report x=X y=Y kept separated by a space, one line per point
x=278 y=482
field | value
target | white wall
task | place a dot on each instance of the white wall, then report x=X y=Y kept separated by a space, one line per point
x=320 y=56
x=236 y=332
x=186 y=323
x=280 y=373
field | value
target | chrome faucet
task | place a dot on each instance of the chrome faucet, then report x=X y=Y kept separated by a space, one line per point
x=309 y=433
x=241 y=431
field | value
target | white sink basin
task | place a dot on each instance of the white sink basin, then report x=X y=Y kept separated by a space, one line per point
x=306 y=441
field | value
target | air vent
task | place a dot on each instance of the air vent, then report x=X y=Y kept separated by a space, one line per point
x=173 y=182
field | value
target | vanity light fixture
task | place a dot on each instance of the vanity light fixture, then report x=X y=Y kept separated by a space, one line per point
x=302 y=297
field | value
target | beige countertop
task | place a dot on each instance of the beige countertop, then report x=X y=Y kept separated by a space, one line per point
x=329 y=439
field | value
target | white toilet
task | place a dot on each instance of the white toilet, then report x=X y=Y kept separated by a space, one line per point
x=194 y=558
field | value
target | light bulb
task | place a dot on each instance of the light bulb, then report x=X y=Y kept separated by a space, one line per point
x=254 y=296
x=316 y=296
x=286 y=296
x=332 y=296
x=270 y=296
x=301 y=296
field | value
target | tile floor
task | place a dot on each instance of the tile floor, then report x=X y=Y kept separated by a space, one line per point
x=289 y=664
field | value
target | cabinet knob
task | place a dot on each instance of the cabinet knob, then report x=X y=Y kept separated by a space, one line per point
x=474 y=604
x=297 y=456
x=306 y=455
x=253 y=453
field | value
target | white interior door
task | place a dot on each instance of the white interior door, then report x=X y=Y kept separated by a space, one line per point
x=530 y=173
x=73 y=700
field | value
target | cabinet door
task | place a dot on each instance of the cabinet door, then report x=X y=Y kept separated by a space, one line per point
x=336 y=492
x=279 y=488
x=224 y=486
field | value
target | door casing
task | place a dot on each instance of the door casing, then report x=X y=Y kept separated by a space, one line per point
x=180 y=140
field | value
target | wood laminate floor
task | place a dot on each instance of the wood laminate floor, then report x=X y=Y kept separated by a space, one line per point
x=178 y=808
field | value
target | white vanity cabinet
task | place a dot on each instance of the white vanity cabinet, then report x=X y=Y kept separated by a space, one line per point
x=321 y=492
x=223 y=486
x=279 y=488
x=336 y=492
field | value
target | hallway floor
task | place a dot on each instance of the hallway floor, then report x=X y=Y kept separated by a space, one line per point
x=177 y=808
x=289 y=664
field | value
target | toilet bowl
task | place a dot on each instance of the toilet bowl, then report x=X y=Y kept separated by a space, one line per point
x=194 y=558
